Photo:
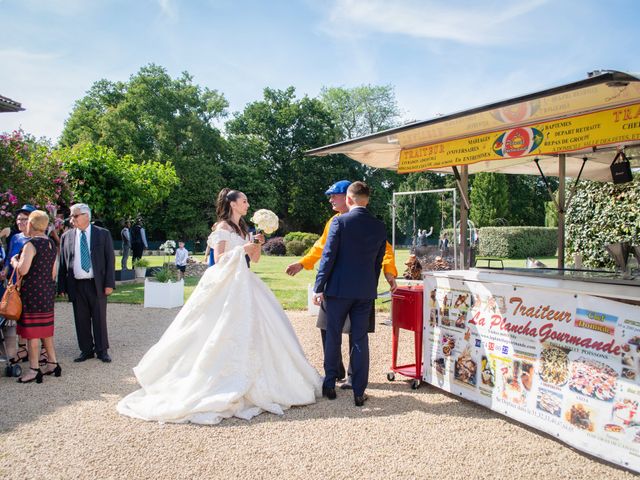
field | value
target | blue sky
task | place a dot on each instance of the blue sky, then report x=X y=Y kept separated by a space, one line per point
x=441 y=56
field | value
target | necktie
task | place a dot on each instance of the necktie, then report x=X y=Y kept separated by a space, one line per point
x=85 y=256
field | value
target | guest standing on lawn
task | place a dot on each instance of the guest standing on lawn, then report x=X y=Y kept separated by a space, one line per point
x=182 y=257
x=36 y=263
x=125 y=236
x=87 y=276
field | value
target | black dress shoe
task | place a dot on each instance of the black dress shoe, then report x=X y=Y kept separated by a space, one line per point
x=330 y=393
x=359 y=401
x=104 y=357
x=84 y=356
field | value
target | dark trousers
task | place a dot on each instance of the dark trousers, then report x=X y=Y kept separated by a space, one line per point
x=90 y=313
x=125 y=256
x=359 y=311
x=136 y=251
x=341 y=371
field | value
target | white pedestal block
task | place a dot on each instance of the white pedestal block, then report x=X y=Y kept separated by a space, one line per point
x=163 y=295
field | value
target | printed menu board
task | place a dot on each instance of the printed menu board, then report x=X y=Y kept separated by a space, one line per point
x=566 y=364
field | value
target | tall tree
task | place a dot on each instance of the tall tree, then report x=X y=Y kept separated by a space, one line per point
x=362 y=110
x=489 y=199
x=288 y=127
x=155 y=117
x=527 y=197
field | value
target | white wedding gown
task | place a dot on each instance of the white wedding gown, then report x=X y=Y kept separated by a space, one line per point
x=231 y=351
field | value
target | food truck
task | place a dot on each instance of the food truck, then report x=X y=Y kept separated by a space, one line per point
x=557 y=349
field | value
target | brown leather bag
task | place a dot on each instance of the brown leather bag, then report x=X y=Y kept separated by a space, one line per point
x=11 y=303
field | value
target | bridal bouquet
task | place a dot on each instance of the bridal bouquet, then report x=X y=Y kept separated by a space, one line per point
x=265 y=221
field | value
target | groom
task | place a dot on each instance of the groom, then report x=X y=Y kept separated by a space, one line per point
x=347 y=280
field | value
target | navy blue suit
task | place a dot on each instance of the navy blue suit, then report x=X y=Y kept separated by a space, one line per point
x=348 y=277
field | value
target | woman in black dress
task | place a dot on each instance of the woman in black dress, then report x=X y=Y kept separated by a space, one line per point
x=36 y=263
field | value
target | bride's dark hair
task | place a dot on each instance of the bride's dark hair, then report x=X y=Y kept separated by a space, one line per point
x=223 y=211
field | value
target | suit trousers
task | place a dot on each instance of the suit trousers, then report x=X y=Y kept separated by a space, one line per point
x=341 y=370
x=90 y=313
x=125 y=256
x=337 y=310
x=137 y=249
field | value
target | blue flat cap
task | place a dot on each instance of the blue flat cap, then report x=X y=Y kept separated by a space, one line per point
x=338 y=187
x=26 y=208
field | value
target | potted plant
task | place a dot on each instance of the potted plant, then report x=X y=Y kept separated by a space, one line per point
x=140 y=266
x=162 y=291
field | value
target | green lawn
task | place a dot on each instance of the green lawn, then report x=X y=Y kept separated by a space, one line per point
x=290 y=291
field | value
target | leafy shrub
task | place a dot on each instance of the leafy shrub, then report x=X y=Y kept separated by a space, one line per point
x=141 y=263
x=274 y=246
x=602 y=213
x=295 y=247
x=307 y=239
x=164 y=275
x=517 y=242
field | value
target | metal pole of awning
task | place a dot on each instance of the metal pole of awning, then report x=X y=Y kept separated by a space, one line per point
x=562 y=171
x=462 y=180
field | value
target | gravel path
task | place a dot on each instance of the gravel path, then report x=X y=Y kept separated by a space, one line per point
x=68 y=427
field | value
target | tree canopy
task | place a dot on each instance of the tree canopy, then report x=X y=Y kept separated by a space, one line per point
x=162 y=136
x=156 y=117
x=113 y=186
x=288 y=127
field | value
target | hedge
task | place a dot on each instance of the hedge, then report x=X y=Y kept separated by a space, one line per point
x=516 y=242
x=295 y=248
x=307 y=239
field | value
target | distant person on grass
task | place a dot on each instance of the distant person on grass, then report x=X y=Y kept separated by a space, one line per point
x=182 y=258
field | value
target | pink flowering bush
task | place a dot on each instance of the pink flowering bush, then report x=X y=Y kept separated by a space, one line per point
x=29 y=173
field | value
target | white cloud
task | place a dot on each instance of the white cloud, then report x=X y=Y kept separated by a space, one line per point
x=168 y=9
x=475 y=23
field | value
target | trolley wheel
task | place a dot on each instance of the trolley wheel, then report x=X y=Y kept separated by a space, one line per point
x=16 y=370
x=391 y=376
x=415 y=384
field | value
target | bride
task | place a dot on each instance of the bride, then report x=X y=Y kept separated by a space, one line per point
x=231 y=350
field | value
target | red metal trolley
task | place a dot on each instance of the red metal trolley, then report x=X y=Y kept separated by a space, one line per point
x=407 y=313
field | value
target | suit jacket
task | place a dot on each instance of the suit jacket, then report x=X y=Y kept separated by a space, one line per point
x=102 y=261
x=352 y=257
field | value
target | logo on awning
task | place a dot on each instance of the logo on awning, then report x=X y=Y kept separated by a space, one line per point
x=517 y=142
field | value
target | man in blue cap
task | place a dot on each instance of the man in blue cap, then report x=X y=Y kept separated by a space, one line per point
x=337 y=195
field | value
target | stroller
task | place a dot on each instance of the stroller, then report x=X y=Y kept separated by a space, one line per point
x=11 y=369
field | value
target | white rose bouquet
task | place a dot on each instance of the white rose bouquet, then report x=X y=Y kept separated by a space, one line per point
x=265 y=221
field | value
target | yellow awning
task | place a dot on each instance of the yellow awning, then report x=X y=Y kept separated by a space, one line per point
x=588 y=119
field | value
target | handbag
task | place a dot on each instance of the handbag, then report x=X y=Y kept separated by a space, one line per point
x=11 y=303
